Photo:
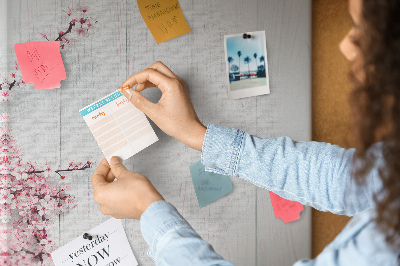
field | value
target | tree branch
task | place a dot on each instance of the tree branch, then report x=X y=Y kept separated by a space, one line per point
x=68 y=31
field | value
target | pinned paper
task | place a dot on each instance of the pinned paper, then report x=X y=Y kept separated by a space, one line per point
x=209 y=186
x=164 y=19
x=284 y=209
x=41 y=63
x=108 y=246
x=118 y=126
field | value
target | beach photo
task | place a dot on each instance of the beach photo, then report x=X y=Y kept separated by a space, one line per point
x=246 y=64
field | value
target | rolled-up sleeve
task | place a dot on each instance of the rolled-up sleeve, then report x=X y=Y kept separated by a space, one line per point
x=172 y=241
x=316 y=174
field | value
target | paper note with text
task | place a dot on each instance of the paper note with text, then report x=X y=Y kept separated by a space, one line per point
x=118 y=126
x=108 y=246
x=41 y=63
x=164 y=18
x=209 y=186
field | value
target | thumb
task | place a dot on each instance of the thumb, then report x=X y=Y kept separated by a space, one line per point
x=138 y=100
x=117 y=168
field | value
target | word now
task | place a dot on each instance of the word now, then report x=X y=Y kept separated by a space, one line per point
x=93 y=259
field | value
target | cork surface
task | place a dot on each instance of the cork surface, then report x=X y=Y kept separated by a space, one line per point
x=331 y=88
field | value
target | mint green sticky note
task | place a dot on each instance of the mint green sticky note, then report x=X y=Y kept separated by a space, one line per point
x=209 y=186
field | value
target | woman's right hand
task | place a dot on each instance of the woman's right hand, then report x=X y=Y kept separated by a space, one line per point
x=174 y=112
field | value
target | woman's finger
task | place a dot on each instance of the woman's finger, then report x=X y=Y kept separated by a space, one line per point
x=142 y=86
x=159 y=80
x=100 y=174
x=160 y=67
x=110 y=177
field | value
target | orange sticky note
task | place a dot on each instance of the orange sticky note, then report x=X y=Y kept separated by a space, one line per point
x=164 y=18
x=41 y=63
x=284 y=209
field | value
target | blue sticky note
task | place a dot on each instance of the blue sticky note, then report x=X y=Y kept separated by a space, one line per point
x=209 y=186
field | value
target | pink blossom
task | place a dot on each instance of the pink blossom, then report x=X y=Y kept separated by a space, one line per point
x=70 y=11
x=81 y=31
x=83 y=9
x=5 y=196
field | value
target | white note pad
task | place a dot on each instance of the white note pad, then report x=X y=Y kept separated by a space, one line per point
x=109 y=246
x=118 y=126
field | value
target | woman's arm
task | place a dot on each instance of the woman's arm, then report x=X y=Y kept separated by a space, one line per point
x=312 y=173
x=172 y=241
x=315 y=174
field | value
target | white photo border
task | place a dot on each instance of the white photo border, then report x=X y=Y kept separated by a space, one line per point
x=248 y=92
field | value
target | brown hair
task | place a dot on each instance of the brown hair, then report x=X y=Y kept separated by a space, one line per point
x=375 y=103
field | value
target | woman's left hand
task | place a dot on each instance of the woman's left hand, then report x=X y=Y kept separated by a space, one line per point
x=127 y=197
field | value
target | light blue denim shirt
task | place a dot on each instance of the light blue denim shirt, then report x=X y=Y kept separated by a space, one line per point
x=312 y=173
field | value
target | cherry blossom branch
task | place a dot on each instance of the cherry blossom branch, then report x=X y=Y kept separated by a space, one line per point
x=87 y=165
x=10 y=85
x=65 y=33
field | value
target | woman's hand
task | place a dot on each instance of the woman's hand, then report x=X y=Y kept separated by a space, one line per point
x=127 y=197
x=174 y=113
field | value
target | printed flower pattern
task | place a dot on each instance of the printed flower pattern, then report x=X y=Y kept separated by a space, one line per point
x=30 y=200
x=79 y=25
x=32 y=196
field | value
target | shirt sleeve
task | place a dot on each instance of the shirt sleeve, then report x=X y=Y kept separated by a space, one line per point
x=172 y=241
x=313 y=173
x=360 y=243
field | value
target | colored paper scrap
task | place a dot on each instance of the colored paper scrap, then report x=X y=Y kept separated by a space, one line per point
x=284 y=209
x=209 y=186
x=164 y=19
x=41 y=63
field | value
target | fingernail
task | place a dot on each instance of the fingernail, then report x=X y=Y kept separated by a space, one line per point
x=125 y=88
x=128 y=93
x=115 y=160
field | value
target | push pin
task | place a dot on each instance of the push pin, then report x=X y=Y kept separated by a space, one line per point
x=246 y=36
x=87 y=236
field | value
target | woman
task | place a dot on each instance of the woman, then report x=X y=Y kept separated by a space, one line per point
x=316 y=174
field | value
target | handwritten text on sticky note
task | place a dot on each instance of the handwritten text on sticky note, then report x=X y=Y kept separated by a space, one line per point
x=41 y=63
x=164 y=18
x=284 y=209
x=109 y=246
x=209 y=186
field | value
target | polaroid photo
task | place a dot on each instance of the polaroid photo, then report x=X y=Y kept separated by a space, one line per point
x=246 y=64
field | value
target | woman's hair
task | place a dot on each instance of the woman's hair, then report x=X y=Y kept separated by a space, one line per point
x=375 y=102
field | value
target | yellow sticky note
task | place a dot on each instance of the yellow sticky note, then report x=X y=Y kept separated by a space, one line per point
x=164 y=18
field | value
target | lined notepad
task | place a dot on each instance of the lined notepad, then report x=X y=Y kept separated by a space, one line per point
x=118 y=126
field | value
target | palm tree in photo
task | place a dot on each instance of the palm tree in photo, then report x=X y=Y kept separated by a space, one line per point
x=255 y=57
x=247 y=60
x=262 y=59
x=239 y=54
x=230 y=60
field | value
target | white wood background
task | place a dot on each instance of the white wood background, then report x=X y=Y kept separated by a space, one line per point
x=48 y=128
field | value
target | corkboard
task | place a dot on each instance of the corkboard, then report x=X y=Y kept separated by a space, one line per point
x=331 y=88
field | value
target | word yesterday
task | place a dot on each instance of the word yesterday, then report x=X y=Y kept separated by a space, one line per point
x=89 y=246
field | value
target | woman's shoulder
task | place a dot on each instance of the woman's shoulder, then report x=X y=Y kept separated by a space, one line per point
x=366 y=242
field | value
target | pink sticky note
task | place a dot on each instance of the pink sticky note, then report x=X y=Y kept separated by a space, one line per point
x=284 y=209
x=41 y=63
